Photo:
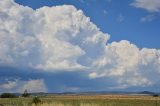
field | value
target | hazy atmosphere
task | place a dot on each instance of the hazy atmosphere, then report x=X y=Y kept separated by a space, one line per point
x=79 y=45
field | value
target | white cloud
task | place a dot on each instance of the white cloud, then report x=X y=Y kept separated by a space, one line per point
x=63 y=38
x=149 y=5
x=34 y=85
x=47 y=38
x=128 y=64
x=8 y=85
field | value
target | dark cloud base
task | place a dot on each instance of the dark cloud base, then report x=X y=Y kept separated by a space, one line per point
x=65 y=81
x=59 y=81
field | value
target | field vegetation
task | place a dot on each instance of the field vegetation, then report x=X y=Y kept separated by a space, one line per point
x=74 y=100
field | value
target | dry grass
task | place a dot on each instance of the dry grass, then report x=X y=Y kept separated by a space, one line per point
x=84 y=100
x=60 y=104
x=51 y=104
x=88 y=97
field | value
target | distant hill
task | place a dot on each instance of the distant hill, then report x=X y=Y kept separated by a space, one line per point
x=147 y=92
x=93 y=93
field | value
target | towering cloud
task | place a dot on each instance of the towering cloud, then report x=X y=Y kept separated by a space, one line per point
x=62 y=38
x=129 y=64
x=48 y=38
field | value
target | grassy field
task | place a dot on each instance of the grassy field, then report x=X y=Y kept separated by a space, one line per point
x=99 y=100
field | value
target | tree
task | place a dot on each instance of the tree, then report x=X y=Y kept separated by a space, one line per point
x=25 y=94
x=8 y=95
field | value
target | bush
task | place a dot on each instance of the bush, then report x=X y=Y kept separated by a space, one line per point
x=155 y=95
x=8 y=95
x=36 y=101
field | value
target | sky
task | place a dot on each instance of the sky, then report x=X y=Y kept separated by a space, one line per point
x=79 y=45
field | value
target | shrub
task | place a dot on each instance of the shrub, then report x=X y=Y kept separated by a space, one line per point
x=155 y=95
x=36 y=101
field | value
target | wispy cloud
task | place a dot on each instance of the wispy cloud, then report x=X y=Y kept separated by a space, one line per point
x=148 y=18
x=149 y=5
x=120 y=18
x=109 y=1
x=105 y=12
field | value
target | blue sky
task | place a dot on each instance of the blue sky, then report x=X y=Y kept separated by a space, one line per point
x=58 y=49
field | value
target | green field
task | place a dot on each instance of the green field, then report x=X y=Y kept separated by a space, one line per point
x=101 y=100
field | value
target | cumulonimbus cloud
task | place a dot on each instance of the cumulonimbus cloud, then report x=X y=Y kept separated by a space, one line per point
x=63 y=38
x=48 y=38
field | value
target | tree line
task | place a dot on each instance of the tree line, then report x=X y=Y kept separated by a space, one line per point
x=13 y=95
